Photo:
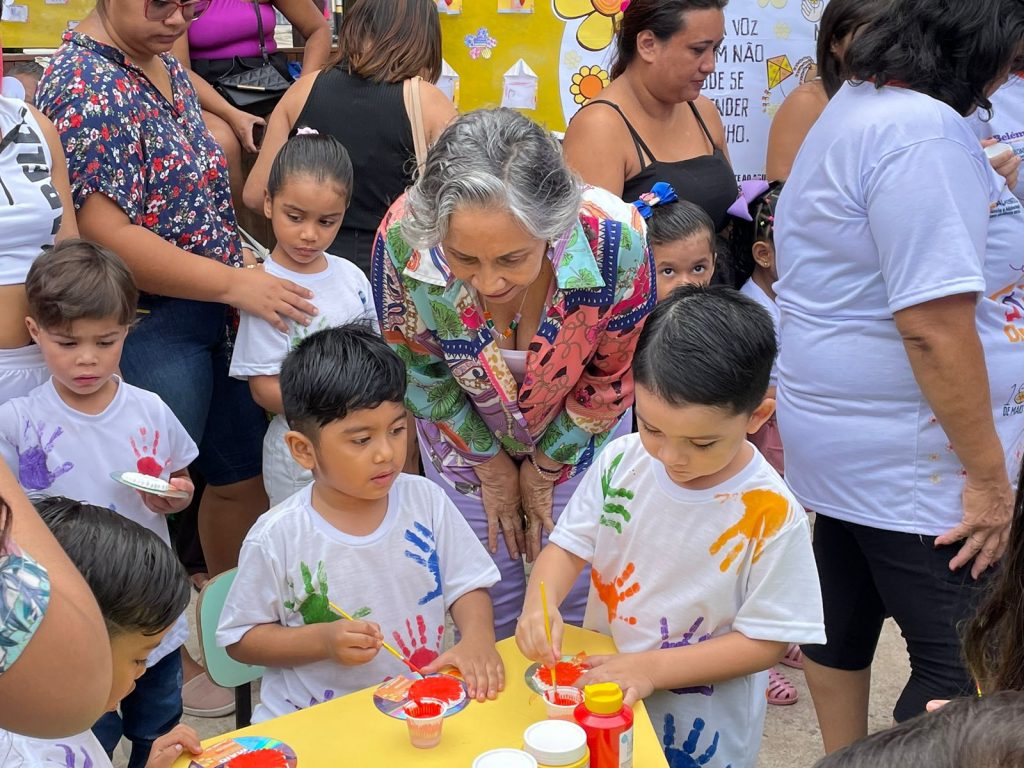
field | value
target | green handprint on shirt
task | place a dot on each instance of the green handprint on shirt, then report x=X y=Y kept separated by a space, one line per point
x=613 y=514
x=315 y=607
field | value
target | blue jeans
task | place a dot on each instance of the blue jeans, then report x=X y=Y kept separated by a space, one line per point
x=179 y=350
x=148 y=712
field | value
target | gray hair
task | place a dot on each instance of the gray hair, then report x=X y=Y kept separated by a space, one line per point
x=493 y=158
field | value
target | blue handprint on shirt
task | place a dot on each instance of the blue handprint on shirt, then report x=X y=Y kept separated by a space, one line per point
x=704 y=690
x=33 y=472
x=425 y=543
x=685 y=756
x=70 y=761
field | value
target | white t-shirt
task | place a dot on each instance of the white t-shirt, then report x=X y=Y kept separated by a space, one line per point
x=58 y=451
x=675 y=567
x=1007 y=121
x=404 y=576
x=341 y=294
x=756 y=292
x=887 y=207
x=80 y=751
x=30 y=208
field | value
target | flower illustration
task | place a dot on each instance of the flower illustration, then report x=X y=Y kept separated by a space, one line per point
x=588 y=83
x=598 y=27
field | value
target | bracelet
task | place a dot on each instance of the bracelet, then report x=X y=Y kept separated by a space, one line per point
x=547 y=474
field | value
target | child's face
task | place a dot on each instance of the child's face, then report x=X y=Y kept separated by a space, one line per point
x=683 y=262
x=358 y=457
x=700 y=446
x=82 y=356
x=306 y=215
x=129 y=653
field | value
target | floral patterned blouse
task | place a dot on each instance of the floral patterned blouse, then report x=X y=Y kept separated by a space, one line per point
x=578 y=380
x=153 y=157
x=24 y=596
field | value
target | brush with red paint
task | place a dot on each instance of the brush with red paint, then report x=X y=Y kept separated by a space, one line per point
x=388 y=648
x=547 y=630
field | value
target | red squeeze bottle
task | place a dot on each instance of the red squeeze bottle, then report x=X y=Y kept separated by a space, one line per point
x=608 y=724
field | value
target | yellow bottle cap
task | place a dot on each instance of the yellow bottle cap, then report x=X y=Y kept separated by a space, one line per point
x=603 y=698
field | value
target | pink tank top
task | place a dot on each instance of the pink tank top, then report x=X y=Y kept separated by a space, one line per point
x=228 y=28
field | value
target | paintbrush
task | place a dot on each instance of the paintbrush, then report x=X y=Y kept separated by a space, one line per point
x=387 y=647
x=547 y=631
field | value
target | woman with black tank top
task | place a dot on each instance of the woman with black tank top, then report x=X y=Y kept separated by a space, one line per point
x=358 y=99
x=652 y=124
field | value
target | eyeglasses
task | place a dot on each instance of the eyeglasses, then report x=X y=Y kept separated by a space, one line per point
x=160 y=10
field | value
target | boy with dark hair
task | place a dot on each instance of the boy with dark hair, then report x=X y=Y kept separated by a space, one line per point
x=67 y=436
x=387 y=548
x=141 y=590
x=701 y=558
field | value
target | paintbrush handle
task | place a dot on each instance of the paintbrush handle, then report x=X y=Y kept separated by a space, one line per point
x=386 y=647
x=547 y=630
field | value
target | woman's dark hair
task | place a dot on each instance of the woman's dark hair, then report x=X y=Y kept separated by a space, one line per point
x=707 y=346
x=761 y=229
x=5 y=523
x=388 y=41
x=841 y=18
x=662 y=17
x=78 y=279
x=951 y=50
x=965 y=733
x=679 y=220
x=136 y=578
x=336 y=371
x=993 y=640
x=316 y=155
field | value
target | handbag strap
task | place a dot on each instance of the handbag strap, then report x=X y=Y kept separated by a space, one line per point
x=415 y=109
x=259 y=24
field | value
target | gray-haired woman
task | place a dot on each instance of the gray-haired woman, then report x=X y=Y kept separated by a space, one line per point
x=515 y=296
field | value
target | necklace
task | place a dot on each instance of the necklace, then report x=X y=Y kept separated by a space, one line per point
x=489 y=321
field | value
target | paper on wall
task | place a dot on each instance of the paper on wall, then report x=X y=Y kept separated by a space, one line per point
x=520 y=87
x=448 y=83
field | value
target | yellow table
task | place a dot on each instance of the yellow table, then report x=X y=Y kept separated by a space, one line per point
x=351 y=731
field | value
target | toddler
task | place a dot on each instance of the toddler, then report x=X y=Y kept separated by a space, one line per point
x=389 y=549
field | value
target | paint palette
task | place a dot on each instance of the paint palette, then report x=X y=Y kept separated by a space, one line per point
x=149 y=484
x=393 y=694
x=568 y=671
x=246 y=752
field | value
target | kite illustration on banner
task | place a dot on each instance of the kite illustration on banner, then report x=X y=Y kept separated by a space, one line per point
x=779 y=70
x=480 y=44
x=515 y=6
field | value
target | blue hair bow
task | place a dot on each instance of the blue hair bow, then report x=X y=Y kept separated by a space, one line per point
x=750 y=190
x=660 y=194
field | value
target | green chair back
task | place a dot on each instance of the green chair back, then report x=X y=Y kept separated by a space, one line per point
x=221 y=668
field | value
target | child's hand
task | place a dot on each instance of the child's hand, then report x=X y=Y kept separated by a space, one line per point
x=165 y=505
x=169 y=747
x=352 y=642
x=621 y=668
x=478 y=661
x=531 y=637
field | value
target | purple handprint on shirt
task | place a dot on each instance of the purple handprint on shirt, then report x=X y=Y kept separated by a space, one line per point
x=33 y=472
x=425 y=543
x=704 y=690
x=70 y=761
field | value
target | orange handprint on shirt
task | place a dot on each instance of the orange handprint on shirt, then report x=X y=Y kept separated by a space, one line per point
x=765 y=512
x=610 y=594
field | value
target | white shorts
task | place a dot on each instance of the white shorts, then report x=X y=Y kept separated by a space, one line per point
x=21 y=371
x=282 y=475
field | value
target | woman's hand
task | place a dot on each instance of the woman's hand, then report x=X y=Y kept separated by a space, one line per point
x=499 y=489
x=1006 y=164
x=270 y=298
x=537 y=487
x=988 y=509
x=242 y=123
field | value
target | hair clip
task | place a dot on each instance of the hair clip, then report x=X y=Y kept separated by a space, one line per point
x=660 y=194
x=624 y=5
x=306 y=131
x=749 y=191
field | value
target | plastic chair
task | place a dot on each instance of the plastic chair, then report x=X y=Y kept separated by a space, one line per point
x=222 y=669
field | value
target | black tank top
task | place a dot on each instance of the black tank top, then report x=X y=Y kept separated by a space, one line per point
x=707 y=180
x=370 y=120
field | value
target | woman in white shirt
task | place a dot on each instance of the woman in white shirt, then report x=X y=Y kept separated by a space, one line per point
x=895 y=349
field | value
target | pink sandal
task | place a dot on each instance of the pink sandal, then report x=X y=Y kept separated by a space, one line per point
x=780 y=691
x=794 y=657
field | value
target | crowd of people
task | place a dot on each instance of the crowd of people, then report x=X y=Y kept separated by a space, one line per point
x=731 y=426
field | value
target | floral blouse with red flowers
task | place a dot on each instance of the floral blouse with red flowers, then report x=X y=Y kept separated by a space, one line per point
x=153 y=157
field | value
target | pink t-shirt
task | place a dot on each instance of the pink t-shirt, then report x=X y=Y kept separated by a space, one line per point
x=228 y=28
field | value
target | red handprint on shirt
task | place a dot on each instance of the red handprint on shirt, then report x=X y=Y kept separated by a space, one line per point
x=147 y=463
x=612 y=594
x=417 y=650
x=764 y=514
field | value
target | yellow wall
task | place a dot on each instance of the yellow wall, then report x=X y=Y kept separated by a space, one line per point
x=46 y=23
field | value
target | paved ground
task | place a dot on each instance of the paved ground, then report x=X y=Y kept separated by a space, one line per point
x=791 y=737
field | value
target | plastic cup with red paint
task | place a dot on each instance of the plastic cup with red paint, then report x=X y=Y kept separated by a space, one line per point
x=425 y=717
x=562 y=701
